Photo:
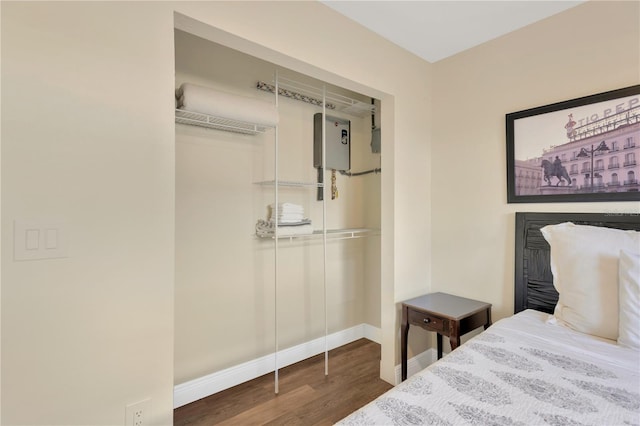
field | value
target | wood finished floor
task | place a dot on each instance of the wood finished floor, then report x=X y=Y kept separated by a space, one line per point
x=306 y=397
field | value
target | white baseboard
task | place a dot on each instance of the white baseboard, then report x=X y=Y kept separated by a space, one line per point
x=417 y=363
x=372 y=333
x=199 y=388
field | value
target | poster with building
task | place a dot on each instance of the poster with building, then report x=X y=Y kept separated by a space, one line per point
x=580 y=150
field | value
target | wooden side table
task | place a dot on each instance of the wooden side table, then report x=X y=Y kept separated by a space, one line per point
x=445 y=314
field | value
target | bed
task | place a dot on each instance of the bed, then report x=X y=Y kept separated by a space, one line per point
x=558 y=359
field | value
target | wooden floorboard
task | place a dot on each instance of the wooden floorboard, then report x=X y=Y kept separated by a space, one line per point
x=306 y=396
x=273 y=408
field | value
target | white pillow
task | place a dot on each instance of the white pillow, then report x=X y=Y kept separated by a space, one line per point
x=584 y=264
x=629 y=299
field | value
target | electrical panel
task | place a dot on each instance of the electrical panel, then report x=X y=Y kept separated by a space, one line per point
x=338 y=143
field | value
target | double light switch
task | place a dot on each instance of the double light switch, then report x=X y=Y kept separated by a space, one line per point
x=38 y=240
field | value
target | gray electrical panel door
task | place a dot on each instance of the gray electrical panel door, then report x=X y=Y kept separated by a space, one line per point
x=338 y=143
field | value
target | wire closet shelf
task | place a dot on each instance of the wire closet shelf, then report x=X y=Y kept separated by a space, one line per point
x=308 y=93
x=287 y=88
x=218 y=123
x=331 y=234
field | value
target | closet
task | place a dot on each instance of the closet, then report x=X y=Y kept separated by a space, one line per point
x=248 y=300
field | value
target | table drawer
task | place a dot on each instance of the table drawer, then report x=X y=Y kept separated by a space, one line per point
x=427 y=321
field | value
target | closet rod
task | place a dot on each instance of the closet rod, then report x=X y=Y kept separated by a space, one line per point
x=365 y=172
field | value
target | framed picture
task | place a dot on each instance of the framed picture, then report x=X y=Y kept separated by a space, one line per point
x=584 y=149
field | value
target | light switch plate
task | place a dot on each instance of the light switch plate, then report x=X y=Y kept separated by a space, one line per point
x=33 y=240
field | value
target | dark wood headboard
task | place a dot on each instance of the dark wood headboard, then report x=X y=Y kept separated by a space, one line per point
x=533 y=280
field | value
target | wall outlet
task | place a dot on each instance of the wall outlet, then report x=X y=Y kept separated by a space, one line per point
x=138 y=414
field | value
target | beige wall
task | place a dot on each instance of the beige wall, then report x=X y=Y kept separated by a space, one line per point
x=88 y=137
x=573 y=54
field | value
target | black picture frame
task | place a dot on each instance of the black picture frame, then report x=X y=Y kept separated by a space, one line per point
x=605 y=125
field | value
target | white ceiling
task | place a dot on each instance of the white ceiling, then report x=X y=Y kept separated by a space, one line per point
x=434 y=30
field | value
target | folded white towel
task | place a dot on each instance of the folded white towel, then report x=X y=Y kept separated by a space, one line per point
x=205 y=100
x=286 y=212
x=266 y=228
x=271 y=223
x=287 y=206
x=290 y=220
x=290 y=209
x=287 y=218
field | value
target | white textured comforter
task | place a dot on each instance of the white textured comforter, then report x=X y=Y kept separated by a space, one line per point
x=521 y=371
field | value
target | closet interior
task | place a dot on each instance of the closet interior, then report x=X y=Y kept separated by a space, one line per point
x=277 y=216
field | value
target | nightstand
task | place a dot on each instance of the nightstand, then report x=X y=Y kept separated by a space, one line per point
x=446 y=315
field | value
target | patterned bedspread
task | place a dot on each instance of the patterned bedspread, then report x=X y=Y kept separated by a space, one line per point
x=521 y=371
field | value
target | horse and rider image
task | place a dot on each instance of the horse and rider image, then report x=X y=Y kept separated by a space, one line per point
x=555 y=169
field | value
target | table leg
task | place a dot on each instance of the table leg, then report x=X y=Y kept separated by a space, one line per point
x=454 y=341
x=404 y=334
x=488 y=324
x=439 y=340
x=454 y=334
